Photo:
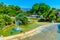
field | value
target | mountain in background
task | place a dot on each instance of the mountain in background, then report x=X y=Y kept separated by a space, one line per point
x=25 y=9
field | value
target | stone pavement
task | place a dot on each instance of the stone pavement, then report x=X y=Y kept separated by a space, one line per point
x=46 y=32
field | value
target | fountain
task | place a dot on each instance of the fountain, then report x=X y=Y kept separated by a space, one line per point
x=1 y=38
x=41 y=16
x=53 y=25
x=17 y=25
x=52 y=21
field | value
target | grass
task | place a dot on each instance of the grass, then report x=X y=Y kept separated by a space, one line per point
x=32 y=24
x=9 y=31
x=34 y=19
x=29 y=27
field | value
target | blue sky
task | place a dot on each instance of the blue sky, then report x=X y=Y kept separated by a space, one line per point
x=29 y=3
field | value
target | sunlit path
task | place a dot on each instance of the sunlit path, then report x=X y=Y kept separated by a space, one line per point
x=41 y=33
x=58 y=36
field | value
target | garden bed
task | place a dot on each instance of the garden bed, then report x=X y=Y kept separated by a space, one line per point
x=9 y=31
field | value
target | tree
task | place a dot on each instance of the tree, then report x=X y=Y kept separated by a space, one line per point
x=22 y=18
x=58 y=20
x=35 y=7
x=52 y=15
x=44 y=8
x=10 y=10
x=2 y=23
x=40 y=9
x=2 y=7
x=13 y=10
x=5 y=19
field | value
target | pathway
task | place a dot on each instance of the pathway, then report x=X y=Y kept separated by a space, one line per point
x=50 y=33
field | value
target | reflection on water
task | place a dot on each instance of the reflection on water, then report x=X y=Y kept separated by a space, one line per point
x=58 y=25
x=58 y=32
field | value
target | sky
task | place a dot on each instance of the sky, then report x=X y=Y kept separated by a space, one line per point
x=29 y=3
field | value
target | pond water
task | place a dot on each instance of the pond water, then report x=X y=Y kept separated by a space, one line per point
x=58 y=32
x=58 y=25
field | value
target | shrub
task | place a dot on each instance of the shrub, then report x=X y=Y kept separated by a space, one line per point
x=41 y=20
x=58 y=20
x=22 y=18
x=2 y=23
x=5 y=20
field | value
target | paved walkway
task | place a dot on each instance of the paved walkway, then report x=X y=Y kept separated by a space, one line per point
x=58 y=36
x=24 y=34
x=34 y=31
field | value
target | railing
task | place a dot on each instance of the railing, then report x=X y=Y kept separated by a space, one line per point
x=46 y=32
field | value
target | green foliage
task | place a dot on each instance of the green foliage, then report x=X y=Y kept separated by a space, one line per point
x=13 y=10
x=27 y=27
x=43 y=7
x=35 y=7
x=45 y=10
x=5 y=20
x=27 y=13
x=10 y=10
x=58 y=20
x=2 y=7
x=2 y=23
x=41 y=20
x=22 y=18
x=40 y=8
x=52 y=15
